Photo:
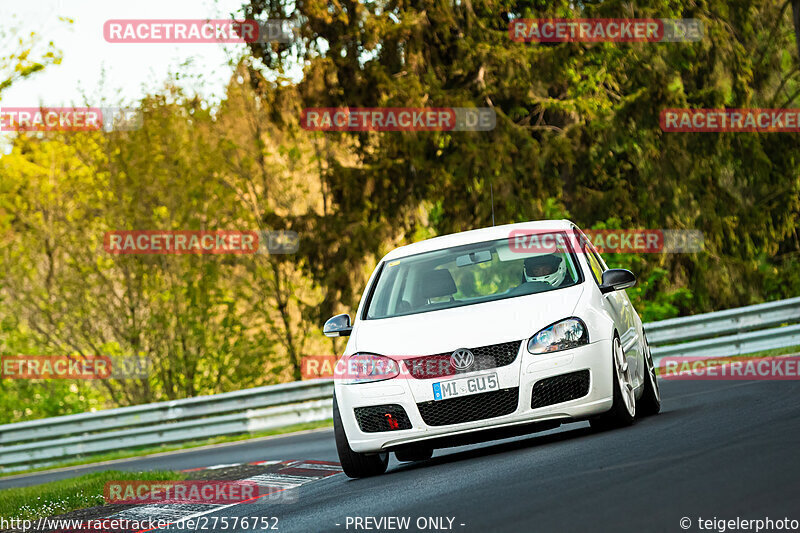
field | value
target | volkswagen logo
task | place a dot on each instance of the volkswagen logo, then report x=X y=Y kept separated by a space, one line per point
x=462 y=359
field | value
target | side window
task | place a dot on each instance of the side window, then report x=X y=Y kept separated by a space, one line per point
x=593 y=258
x=381 y=305
x=594 y=264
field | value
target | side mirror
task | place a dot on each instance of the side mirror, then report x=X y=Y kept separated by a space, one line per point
x=615 y=279
x=338 y=326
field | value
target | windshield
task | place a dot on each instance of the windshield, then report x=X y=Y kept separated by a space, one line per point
x=466 y=275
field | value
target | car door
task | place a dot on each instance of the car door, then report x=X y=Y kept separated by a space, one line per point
x=622 y=312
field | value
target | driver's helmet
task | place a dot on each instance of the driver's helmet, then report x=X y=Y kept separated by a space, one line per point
x=547 y=268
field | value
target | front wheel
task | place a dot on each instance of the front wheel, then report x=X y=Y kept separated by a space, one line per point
x=355 y=464
x=650 y=402
x=623 y=409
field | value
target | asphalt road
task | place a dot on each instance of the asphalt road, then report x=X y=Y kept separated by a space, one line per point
x=718 y=450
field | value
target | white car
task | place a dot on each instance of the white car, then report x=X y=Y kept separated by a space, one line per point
x=485 y=334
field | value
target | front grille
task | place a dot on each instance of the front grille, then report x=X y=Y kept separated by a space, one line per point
x=373 y=419
x=561 y=388
x=470 y=408
x=486 y=357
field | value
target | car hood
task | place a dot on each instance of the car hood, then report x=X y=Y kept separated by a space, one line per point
x=469 y=326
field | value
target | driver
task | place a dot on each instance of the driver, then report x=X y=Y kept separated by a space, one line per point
x=547 y=268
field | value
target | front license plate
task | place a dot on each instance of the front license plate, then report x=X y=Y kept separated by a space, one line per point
x=465 y=386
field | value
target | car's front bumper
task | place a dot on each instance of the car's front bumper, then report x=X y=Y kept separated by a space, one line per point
x=526 y=370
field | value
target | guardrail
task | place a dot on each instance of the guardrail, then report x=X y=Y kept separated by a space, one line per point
x=36 y=443
x=738 y=331
x=49 y=441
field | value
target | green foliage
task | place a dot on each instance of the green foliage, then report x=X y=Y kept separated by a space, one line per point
x=206 y=324
x=577 y=131
x=22 y=399
x=577 y=137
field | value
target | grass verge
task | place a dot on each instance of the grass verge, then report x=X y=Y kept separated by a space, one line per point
x=150 y=450
x=58 y=497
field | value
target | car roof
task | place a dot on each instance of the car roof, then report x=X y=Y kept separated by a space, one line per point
x=475 y=236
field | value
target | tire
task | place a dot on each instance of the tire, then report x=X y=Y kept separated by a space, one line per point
x=623 y=410
x=650 y=402
x=413 y=454
x=354 y=464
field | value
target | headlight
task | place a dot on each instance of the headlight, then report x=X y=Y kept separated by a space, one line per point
x=365 y=368
x=569 y=333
